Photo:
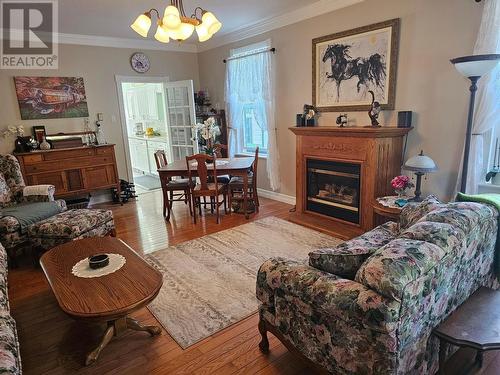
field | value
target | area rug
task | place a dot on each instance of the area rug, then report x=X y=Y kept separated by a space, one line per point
x=148 y=182
x=209 y=283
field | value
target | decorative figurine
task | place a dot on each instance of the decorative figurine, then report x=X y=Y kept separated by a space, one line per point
x=342 y=120
x=374 y=111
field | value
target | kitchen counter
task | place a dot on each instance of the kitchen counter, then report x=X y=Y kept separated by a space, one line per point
x=159 y=138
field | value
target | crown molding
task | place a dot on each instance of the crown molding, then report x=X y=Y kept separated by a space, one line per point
x=104 y=41
x=309 y=11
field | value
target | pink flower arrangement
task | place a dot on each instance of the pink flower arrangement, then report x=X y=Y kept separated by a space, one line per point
x=401 y=183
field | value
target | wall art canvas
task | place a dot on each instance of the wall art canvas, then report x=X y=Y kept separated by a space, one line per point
x=349 y=64
x=51 y=97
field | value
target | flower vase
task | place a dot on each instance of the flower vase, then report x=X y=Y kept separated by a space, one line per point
x=44 y=145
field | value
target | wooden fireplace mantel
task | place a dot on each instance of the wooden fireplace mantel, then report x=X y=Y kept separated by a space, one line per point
x=378 y=152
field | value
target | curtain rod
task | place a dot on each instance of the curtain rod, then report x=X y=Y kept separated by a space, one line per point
x=273 y=50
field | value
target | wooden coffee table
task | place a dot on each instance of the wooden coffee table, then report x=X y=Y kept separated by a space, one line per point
x=108 y=298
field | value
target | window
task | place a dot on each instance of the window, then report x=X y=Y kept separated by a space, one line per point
x=252 y=121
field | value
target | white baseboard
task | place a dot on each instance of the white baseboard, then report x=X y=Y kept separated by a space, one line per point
x=276 y=196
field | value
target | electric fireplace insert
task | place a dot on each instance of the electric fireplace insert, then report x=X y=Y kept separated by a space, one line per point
x=333 y=189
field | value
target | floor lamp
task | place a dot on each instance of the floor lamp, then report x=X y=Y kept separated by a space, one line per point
x=472 y=67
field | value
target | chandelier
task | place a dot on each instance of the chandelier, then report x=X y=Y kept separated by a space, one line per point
x=176 y=25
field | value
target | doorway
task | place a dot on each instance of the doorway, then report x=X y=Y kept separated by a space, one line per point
x=156 y=115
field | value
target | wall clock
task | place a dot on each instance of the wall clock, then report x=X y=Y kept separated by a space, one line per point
x=140 y=62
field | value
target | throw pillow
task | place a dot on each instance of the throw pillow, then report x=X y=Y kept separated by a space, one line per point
x=413 y=212
x=345 y=259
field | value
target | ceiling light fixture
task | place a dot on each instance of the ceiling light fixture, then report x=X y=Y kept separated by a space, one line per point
x=176 y=25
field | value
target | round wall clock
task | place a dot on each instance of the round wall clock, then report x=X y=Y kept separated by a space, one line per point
x=140 y=62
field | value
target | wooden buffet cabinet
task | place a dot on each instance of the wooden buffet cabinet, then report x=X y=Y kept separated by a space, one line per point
x=73 y=171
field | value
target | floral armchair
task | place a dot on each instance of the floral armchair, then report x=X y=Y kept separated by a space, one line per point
x=369 y=305
x=13 y=191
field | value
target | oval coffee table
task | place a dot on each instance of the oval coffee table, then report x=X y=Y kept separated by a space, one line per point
x=108 y=298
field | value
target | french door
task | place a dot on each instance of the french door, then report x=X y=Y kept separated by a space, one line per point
x=181 y=118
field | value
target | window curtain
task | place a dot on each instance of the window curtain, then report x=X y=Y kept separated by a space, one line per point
x=250 y=80
x=487 y=107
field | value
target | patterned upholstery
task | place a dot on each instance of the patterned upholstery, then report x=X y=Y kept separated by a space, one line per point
x=381 y=322
x=345 y=259
x=10 y=361
x=71 y=225
x=12 y=189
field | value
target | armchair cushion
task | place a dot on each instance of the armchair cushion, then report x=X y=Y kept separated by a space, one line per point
x=345 y=259
x=413 y=212
x=5 y=193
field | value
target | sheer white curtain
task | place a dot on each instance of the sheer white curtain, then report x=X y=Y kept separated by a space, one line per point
x=487 y=107
x=251 y=80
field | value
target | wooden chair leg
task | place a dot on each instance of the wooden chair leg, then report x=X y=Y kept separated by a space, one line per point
x=169 y=205
x=230 y=200
x=188 y=195
x=212 y=199
x=165 y=202
x=225 y=203
x=204 y=202
x=194 y=208
x=216 y=199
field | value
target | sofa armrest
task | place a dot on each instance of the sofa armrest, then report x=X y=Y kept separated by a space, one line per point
x=39 y=193
x=326 y=293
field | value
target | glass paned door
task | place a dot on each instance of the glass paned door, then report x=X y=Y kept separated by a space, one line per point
x=181 y=118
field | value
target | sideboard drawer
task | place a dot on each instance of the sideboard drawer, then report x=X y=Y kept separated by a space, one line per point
x=65 y=154
x=32 y=159
x=104 y=150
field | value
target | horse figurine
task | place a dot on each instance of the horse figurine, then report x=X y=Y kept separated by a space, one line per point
x=344 y=67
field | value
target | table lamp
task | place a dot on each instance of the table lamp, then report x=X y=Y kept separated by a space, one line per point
x=420 y=164
x=472 y=67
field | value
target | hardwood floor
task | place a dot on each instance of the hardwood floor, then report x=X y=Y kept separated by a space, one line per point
x=52 y=343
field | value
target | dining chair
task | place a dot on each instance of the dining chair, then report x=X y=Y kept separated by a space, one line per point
x=218 y=149
x=236 y=185
x=171 y=187
x=204 y=188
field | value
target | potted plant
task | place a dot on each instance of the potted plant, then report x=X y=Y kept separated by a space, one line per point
x=400 y=184
x=206 y=134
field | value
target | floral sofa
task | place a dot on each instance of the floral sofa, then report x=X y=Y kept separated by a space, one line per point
x=13 y=191
x=369 y=305
x=10 y=361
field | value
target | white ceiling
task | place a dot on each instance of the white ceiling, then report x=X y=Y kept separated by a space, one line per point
x=112 y=18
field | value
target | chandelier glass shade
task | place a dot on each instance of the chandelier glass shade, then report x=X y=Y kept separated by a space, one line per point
x=176 y=25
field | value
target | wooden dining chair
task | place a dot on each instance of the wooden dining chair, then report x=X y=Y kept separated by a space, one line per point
x=204 y=188
x=177 y=190
x=236 y=185
x=219 y=149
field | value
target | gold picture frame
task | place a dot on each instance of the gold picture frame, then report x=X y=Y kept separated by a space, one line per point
x=349 y=64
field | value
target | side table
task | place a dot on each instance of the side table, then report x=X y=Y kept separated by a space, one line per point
x=475 y=324
x=385 y=212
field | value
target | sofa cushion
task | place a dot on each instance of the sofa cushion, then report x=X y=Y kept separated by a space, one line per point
x=413 y=212
x=345 y=259
x=397 y=264
x=5 y=193
x=444 y=235
x=70 y=224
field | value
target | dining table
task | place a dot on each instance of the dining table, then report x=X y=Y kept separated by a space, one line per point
x=239 y=167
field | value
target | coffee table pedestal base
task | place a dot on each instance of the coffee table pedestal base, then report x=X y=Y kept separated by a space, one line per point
x=116 y=328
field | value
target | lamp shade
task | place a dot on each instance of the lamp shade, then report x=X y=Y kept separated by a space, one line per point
x=184 y=31
x=162 y=34
x=171 y=17
x=142 y=24
x=203 y=34
x=420 y=163
x=475 y=65
x=211 y=22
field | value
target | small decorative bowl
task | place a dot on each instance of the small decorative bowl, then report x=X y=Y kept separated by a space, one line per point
x=98 y=261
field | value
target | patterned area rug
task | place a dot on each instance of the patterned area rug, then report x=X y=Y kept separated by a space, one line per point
x=209 y=283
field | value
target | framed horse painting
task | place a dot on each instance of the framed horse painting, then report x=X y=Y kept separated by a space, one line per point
x=354 y=67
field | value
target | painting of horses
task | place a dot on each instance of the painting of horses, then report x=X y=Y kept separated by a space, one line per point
x=350 y=64
x=51 y=97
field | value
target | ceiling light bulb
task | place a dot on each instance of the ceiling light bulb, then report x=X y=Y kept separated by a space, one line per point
x=162 y=34
x=142 y=24
x=171 y=17
x=183 y=32
x=203 y=34
x=211 y=22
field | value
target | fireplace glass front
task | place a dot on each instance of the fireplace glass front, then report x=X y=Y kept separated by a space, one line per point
x=333 y=189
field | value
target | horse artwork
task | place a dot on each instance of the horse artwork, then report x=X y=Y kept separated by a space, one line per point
x=350 y=64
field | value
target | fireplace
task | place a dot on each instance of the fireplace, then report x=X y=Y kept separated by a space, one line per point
x=340 y=173
x=333 y=189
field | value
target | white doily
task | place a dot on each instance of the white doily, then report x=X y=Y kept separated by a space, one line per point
x=82 y=268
